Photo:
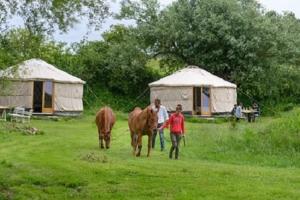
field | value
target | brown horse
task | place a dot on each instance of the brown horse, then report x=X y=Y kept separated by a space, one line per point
x=141 y=122
x=105 y=120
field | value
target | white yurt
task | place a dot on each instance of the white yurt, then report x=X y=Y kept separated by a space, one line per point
x=198 y=91
x=37 y=85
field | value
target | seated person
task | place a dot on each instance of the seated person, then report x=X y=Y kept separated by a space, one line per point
x=233 y=110
x=238 y=112
x=255 y=107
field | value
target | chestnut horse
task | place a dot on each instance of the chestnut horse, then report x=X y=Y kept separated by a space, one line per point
x=141 y=122
x=105 y=120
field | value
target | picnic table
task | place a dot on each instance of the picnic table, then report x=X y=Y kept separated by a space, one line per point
x=250 y=114
x=3 y=110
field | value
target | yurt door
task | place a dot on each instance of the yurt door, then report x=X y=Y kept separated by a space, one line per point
x=48 y=97
x=197 y=100
x=37 y=96
x=205 y=103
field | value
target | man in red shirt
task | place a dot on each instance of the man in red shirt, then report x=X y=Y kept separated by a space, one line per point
x=176 y=123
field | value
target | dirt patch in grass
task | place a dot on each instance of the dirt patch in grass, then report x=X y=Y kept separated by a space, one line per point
x=25 y=129
x=5 y=192
x=94 y=157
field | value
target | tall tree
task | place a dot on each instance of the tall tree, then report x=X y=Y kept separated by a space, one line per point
x=118 y=62
x=19 y=44
x=48 y=15
x=235 y=39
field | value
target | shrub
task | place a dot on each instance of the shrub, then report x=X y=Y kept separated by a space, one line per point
x=280 y=137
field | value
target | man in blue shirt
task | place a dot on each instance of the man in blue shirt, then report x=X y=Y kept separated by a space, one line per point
x=162 y=116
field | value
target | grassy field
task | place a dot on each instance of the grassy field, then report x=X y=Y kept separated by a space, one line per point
x=220 y=161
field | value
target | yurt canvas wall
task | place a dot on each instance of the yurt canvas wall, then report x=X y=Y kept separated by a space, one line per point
x=68 y=97
x=223 y=99
x=17 y=93
x=171 y=96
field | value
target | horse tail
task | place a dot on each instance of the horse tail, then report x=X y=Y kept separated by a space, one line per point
x=98 y=118
x=107 y=117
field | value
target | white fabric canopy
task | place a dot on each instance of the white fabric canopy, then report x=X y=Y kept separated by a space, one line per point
x=37 y=69
x=192 y=76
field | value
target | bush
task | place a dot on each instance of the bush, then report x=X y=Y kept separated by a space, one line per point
x=280 y=137
x=96 y=98
x=206 y=120
x=288 y=107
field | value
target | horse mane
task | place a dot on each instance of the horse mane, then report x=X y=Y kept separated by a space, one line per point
x=145 y=113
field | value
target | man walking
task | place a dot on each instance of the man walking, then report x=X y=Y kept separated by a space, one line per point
x=162 y=116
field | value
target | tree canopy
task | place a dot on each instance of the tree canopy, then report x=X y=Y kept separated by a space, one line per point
x=47 y=15
x=235 y=39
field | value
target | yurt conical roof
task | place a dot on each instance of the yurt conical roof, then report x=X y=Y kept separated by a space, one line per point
x=37 y=69
x=192 y=76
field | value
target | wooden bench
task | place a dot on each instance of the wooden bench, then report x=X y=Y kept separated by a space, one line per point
x=20 y=115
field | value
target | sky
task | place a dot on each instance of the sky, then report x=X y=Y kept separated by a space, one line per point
x=80 y=31
x=282 y=5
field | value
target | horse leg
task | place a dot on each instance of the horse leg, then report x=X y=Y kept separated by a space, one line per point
x=101 y=145
x=106 y=143
x=132 y=139
x=136 y=138
x=100 y=138
x=139 y=144
x=149 y=144
x=133 y=143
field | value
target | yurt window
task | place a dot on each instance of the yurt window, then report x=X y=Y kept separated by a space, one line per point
x=48 y=96
x=205 y=108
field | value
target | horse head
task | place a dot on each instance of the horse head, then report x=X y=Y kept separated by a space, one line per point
x=151 y=118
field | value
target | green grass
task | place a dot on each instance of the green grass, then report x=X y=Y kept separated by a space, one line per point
x=217 y=163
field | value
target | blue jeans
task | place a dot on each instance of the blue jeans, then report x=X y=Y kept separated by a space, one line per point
x=161 y=137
